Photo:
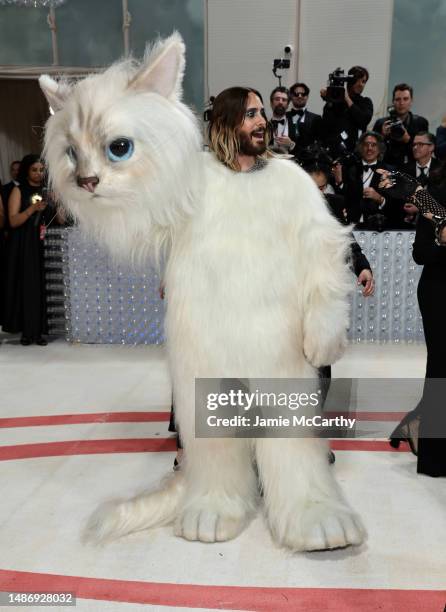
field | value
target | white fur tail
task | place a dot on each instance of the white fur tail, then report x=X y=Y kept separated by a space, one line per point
x=115 y=519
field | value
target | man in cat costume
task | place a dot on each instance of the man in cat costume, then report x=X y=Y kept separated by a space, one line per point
x=256 y=285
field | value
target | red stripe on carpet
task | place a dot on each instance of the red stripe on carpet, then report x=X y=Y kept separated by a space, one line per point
x=91 y=417
x=261 y=599
x=149 y=445
x=87 y=447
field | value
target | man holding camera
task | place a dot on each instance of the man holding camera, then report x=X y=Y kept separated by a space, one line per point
x=400 y=127
x=345 y=116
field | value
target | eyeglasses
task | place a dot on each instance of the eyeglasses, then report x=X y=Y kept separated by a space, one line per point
x=299 y=94
x=370 y=145
x=421 y=144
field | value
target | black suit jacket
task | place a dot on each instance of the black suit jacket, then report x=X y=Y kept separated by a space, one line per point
x=411 y=167
x=291 y=134
x=306 y=131
x=358 y=206
x=338 y=118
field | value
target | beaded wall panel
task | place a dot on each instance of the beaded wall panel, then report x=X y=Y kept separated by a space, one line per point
x=92 y=301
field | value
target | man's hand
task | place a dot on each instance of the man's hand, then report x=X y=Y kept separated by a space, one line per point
x=347 y=99
x=370 y=193
x=405 y=137
x=284 y=141
x=323 y=93
x=442 y=237
x=410 y=208
x=385 y=130
x=366 y=279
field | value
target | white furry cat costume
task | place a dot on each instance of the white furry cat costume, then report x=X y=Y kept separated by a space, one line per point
x=256 y=283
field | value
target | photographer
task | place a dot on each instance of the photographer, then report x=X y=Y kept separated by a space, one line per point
x=346 y=113
x=400 y=126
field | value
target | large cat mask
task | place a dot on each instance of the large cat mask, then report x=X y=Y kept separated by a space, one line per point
x=122 y=149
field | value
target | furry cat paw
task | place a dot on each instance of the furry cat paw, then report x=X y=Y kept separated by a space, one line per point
x=324 y=353
x=209 y=525
x=320 y=526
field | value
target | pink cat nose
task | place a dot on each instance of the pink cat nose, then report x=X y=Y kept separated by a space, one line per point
x=88 y=182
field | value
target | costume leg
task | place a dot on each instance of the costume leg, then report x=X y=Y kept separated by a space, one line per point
x=304 y=506
x=221 y=488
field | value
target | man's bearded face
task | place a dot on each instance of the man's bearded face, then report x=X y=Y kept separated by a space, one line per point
x=252 y=132
x=279 y=104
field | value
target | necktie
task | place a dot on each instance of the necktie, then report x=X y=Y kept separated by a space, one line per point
x=367 y=167
x=294 y=112
x=276 y=122
x=422 y=177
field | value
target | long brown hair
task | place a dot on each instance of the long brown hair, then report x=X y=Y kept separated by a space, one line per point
x=228 y=112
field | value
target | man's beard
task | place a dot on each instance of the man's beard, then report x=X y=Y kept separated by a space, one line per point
x=248 y=147
x=279 y=111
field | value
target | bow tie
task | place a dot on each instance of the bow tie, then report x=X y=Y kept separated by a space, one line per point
x=276 y=122
x=294 y=112
x=367 y=167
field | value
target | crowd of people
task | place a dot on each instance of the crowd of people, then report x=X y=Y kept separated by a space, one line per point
x=343 y=145
x=346 y=159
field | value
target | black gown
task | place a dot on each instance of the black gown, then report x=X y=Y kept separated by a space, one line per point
x=432 y=302
x=25 y=297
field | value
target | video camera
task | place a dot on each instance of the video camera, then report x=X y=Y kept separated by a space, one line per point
x=336 y=82
x=396 y=125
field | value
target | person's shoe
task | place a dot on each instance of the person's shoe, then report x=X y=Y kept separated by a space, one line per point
x=41 y=341
x=407 y=431
x=25 y=341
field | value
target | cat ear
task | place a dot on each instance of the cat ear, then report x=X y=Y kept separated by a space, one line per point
x=163 y=68
x=55 y=93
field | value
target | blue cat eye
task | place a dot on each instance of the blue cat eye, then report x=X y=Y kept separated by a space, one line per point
x=71 y=152
x=120 y=149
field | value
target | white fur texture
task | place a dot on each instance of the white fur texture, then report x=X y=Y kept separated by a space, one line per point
x=256 y=285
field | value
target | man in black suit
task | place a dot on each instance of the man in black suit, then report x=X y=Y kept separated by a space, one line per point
x=400 y=127
x=307 y=125
x=365 y=206
x=284 y=133
x=421 y=167
x=344 y=119
x=8 y=187
x=6 y=191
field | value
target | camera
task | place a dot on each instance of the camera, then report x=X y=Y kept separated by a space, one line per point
x=207 y=115
x=336 y=82
x=396 y=125
x=281 y=64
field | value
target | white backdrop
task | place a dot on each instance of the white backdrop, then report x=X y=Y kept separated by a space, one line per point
x=244 y=36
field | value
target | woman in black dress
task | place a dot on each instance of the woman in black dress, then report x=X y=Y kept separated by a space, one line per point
x=425 y=427
x=25 y=299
